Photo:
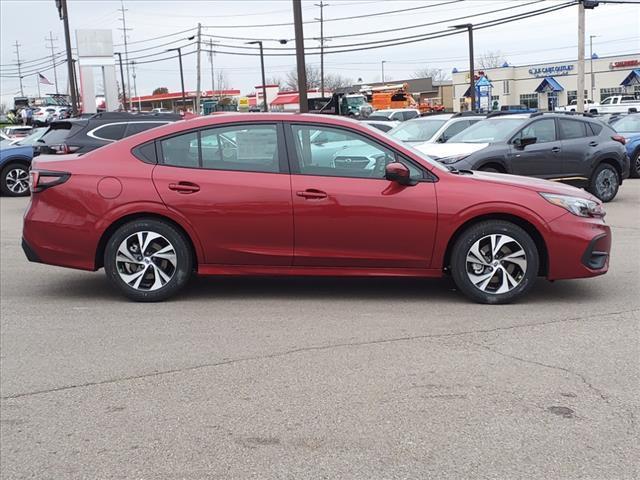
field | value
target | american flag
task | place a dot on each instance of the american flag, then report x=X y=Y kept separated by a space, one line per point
x=42 y=79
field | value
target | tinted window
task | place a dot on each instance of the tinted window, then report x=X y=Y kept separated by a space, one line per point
x=112 y=131
x=454 y=129
x=181 y=150
x=595 y=128
x=409 y=115
x=252 y=148
x=542 y=130
x=572 y=129
x=55 y=136
x=355 y=156
x=138 y=127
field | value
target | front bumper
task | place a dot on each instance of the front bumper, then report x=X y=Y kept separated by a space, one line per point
x=578 y=247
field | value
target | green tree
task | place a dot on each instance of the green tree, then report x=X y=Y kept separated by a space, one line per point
x=160 y=91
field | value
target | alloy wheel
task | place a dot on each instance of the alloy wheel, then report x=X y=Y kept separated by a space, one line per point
x=496 y=264
x=606 y=184
x=146 y=261
x=17 y=180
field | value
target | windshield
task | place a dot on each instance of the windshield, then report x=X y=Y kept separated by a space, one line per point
x=417 y=131
x=629 y=123
x=489 y=130
x=355 y=101
x=32 y=138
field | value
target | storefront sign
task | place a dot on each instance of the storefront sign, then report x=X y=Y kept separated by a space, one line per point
x=624 y=64
x=551 y=70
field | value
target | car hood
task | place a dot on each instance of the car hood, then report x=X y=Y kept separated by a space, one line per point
x=530 y=183
x=442 y=150
x=17 y=149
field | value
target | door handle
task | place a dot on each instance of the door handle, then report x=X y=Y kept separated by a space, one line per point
x=593 y=144
x=184 y=187
x=312 y=194
x=555 y=149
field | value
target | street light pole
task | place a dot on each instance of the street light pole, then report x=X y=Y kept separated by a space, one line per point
x=184 y=99
x=472 y=74
x=264 y=86
x=382 y=63
x=593 y=87
x=64 y=16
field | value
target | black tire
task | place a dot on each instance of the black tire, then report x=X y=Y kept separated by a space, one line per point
x=635 y=165
x=8 y=184
x=491 y=169
x=604 y=182
x=478 y=233
x=180 y=273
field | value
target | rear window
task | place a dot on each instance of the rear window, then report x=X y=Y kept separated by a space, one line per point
x=113 y=131
x=57 y=135
x=138 y=127
x=595 y=128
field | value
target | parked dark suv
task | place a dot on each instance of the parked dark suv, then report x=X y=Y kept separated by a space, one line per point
x=81 y=135
x=574 y=149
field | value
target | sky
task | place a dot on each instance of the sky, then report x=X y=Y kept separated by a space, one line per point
x=545 y=38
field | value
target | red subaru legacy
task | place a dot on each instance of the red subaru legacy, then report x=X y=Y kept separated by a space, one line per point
x=280 y=194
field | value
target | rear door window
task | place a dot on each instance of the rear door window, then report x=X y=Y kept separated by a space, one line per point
x=570 y=129
x=181 y=150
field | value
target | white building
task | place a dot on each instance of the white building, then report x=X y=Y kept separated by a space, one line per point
x=547 y=85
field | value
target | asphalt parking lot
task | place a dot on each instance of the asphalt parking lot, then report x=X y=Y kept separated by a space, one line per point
x=320 y=378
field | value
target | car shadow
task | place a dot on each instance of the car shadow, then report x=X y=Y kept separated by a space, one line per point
x=95 y=286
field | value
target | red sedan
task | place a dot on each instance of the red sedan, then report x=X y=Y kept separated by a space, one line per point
x=280 y=194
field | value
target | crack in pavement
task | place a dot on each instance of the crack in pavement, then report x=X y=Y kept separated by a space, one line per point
x=584 y=379
x=310 y=349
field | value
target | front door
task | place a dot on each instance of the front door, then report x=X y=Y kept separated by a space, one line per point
x=348 y=215
x=543 y=158
x=231 y=183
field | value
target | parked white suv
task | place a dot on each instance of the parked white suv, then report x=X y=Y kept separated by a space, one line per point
x=434 y=128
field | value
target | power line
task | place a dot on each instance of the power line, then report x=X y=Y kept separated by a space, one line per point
x=389 y=12
x=32 y=72
x=157 y=38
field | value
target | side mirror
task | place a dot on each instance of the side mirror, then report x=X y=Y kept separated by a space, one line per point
x=399 y=173
x=523 y=142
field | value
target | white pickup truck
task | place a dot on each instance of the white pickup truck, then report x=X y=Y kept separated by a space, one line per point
x=616 y=104
x=572 y=106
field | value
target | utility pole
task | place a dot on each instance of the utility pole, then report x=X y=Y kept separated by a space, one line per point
x=321 y=5
x=17 y=45
x=580 y=100
x=53 y=58
x=126 y=48
x=472 y=73
x=198 y=76
x=302 y=71
x=124 y=92
x=184 y=98
x=64 y=16
x=382 y=64
x=213 y=78
x=264 y=86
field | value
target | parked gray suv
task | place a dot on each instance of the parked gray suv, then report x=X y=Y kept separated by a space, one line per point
x=574 y=149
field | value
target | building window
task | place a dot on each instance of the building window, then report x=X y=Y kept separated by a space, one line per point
x=505 y=87
x=573 y=95
x=609 y=92
x=530 y=100
x=636 y=91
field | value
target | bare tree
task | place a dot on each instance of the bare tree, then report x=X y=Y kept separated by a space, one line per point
x=275 y=81
x=436 y=74
x=222 y=82
x=490 y=59
x=331 y=80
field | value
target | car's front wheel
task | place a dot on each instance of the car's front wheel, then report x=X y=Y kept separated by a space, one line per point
x=494 y=262
x=604 y=182
x=15 y=180
x=148 y=260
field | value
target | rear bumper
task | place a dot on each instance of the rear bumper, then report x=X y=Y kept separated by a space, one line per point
x=32 y=256
x=578 y=247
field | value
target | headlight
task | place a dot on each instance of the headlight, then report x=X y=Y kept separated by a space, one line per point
x=578 y=206
x=452 y=159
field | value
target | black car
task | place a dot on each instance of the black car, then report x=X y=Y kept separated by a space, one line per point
x=81 y=135
x=579 y=150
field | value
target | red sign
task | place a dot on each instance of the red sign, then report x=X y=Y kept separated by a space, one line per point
x=624 y=64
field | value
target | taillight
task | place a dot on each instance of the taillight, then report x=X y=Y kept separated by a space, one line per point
x=40 y=180
x=619 y=138
x=63 y=149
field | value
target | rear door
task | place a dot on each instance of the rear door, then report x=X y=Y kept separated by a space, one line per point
x=578 y=145
x=542 y=159
x=349 y=215
x=232 y=184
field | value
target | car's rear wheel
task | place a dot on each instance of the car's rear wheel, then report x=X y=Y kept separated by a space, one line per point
x=635 y=165
x=15 y=180
x=494 y=262
x=148 y=260
x=604 y=182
